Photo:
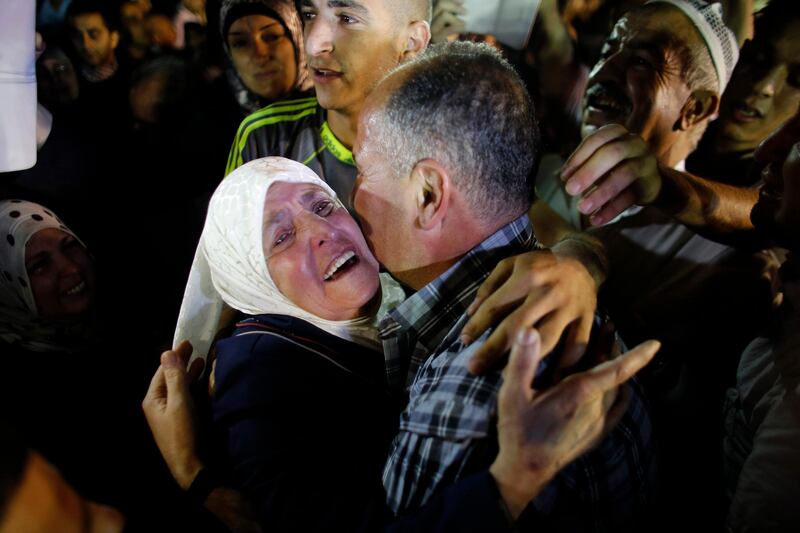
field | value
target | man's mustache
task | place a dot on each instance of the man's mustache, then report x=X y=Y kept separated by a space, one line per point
x=605 y=93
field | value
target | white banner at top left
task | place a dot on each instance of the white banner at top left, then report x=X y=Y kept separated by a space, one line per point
x=17 y=84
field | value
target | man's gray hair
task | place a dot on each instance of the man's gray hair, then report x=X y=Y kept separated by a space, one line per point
x=464 y=106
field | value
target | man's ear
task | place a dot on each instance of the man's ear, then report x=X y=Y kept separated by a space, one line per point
x=700 y=105
x=432 y=186
x=114 y=39
x=417 y=38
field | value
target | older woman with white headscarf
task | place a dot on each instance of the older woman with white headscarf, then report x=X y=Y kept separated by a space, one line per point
x=301 y=401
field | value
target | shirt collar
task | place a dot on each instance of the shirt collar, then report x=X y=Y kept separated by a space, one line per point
x=335 y=146
x=415 y=328
x=101 y=73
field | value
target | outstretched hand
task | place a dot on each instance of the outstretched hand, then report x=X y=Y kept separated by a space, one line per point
x=169 y=409
x=540 y=432
x=611 y=170
x=554 y=294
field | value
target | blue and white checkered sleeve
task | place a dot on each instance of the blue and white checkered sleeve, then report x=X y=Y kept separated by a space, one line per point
x=449 y=412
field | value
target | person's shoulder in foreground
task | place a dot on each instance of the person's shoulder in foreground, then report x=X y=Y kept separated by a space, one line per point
x=283 y=389
x=272 y=129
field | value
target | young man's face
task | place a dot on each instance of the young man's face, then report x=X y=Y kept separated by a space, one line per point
x=92 y=39
x=764 y=91
x=638 y=80
x=350 y=45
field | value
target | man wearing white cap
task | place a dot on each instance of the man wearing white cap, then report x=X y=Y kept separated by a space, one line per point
x=649 y=99
x=659 y=79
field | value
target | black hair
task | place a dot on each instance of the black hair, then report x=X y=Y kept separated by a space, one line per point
x=101 y=7
x=775 y=17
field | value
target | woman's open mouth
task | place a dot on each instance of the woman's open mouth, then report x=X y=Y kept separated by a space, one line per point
x=77 y=289
x=340 y=266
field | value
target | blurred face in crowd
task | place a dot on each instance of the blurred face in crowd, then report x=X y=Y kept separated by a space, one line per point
x=146 y=5
x=44 y=502
x=146 y=98
x=764 y=91
x=61 y=274
x=132 y=17
x=350 y=46
x=778 y=209
x=316 y=253
x=56 y=78
x=160 y=30
x=195 y=6
x=263 y=55
x=638 y=80
x=92 y=39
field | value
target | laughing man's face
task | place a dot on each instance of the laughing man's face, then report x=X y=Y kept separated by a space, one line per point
x=638 y=81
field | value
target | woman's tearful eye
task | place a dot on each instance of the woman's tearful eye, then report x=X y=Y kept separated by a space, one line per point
x=281 y=238
x=323 y=208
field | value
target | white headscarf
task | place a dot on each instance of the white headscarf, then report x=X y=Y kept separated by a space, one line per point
x=230 y=268
x=20 y=322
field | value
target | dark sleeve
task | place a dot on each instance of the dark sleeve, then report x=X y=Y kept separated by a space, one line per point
x=305 y=447
x=300 y=434
x=251 y=142
x=473 y=504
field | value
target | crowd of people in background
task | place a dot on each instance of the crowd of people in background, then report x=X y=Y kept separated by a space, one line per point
x=632 y=174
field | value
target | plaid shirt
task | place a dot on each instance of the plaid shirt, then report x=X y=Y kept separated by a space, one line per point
x=447 y=430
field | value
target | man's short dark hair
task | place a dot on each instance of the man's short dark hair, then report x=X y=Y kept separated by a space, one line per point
x=465 y=106
x=101 y=7
x=13 y=458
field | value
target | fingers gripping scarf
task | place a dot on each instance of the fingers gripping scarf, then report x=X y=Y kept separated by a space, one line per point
x=230 y=268
x=20 y=322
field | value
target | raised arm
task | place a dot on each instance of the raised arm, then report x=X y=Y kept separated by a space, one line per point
x=714 y=208
x=170 y=412
x=554 y=290
x=540 y=432
x=613 y=170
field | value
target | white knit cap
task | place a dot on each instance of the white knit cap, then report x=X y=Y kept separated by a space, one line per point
x=719 y=39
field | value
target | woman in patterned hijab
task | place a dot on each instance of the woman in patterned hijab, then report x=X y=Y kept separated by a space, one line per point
x=264 y=42
x=47 y=283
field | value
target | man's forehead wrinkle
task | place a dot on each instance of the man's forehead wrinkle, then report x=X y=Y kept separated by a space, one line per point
x=659 y=46
x=658 y=32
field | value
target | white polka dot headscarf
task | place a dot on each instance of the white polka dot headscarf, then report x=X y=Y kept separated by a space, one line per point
x=19 y=319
